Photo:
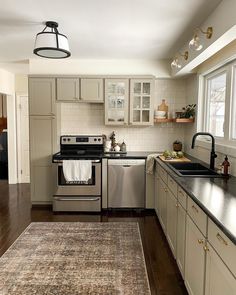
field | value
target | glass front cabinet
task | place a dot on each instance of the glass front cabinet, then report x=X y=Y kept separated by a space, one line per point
x=141 y=102
x=116 y=101
x=124 y=105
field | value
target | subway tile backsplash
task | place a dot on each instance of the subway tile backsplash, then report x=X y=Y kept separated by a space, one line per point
x=82 y=118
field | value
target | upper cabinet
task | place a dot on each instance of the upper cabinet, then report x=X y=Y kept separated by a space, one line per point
x=92 y=90
x=42 y=96
x=80 y=89
x=68 y=89
x=141 y=102
x=116 y=101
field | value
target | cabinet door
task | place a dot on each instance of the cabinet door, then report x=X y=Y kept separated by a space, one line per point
x=92 y=90
x=163 y=205
x=171 y=221
x=194 y=259
x=67 y=89
x=42 y=184
x=180 y=238
x=141 y=102
x=219 y=280
x=42 y=140
x=116 y=101
x=42 y=96
x=157 y=194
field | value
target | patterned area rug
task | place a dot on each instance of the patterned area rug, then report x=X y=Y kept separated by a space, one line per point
x=75 y=258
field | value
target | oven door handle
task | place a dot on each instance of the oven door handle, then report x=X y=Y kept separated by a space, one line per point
x=77 y=199
x=59 y=162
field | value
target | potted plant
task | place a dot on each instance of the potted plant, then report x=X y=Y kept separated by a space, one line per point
x=177 y=146
x=188 y=111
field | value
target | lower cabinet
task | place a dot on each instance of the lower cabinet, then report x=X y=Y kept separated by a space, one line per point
x=157 y=194
x=171 y=221
x=180 y=238
x=163 y=205
x=219 y=280
x=194 y=259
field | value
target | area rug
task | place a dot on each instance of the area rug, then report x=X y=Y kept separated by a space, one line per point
x=75 y=258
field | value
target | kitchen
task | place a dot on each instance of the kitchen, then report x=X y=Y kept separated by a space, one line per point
x=97 y=129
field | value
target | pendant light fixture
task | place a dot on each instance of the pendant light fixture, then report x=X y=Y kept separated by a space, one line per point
x=50 y=43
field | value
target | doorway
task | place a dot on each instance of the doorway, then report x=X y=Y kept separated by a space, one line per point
x=3 y=137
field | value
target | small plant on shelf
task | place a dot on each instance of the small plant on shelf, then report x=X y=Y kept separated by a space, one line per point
x=188 y=111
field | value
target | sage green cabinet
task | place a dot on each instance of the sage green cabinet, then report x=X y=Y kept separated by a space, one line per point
x=68 y=89
x=171 y=221
x=42 y=147
x=42 y=96
x=92 y=90
x=194 y=259
x=141 y=102
x=116 y=101
x=219 y=279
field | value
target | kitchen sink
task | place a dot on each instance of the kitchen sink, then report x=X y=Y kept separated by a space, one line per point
x=192 y=170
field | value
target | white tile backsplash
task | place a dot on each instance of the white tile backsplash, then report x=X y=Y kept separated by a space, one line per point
x=82 y=118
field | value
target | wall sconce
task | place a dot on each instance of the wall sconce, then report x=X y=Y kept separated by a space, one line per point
x=195 y=43
x=176 y=63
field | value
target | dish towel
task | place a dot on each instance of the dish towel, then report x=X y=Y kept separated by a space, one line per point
x=150 y=162
x=77 y=170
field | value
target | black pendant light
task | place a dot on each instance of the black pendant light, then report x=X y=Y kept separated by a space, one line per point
x=50 y=43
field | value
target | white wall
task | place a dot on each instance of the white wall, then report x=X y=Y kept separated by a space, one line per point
x=159 y=68
x=83 y=118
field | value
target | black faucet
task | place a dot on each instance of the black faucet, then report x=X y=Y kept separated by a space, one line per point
x=213 y=154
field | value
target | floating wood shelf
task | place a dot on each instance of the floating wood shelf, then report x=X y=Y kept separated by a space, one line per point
x=179 y=120
x=184 y=120
x=163 y=120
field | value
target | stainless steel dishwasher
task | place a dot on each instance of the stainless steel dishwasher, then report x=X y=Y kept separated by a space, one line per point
x=126 y=183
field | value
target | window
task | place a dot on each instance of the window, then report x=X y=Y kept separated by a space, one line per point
x=219 y=108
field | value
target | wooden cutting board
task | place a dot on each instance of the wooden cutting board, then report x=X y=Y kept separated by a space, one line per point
x=184 y=159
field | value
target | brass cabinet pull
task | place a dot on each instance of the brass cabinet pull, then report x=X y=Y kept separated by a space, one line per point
x=194 y=208
x=176 y=205
x=206 y=248
x=200 y=241
x=180 y=192
x=166 y=190
x=222 y=240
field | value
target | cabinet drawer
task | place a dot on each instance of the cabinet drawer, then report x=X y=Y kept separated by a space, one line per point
x=182 y=197
x=172 y=185
x=225 y=248
x=162 y=173
x=197 y=215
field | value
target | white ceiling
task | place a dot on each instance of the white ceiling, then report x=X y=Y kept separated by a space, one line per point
x=102 y=29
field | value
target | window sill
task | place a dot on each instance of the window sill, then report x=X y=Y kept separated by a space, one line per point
x=225 y=149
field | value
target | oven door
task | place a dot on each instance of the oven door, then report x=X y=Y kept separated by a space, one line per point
x=90 y=188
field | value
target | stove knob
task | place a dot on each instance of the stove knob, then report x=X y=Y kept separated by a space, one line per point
x=95 y=139
x=64 y=139
x=99 y=139
x=68 y=139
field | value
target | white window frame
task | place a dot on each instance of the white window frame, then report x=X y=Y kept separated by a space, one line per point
x=227 y=142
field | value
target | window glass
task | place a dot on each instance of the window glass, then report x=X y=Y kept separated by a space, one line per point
x=216 y=87
x=233 y=123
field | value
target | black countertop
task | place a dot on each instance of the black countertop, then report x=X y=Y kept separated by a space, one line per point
x=216 y=197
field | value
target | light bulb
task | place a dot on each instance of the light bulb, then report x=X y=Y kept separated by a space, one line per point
x=195 y=43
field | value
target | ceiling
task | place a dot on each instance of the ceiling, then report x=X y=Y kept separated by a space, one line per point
x=102 y=29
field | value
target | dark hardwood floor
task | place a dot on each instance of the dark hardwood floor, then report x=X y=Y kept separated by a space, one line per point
x=16 y=214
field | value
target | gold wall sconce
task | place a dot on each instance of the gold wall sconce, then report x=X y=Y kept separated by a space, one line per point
x=176 y=62
x=195 y=43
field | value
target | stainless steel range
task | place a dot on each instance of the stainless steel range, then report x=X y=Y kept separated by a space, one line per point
x=78 y=195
